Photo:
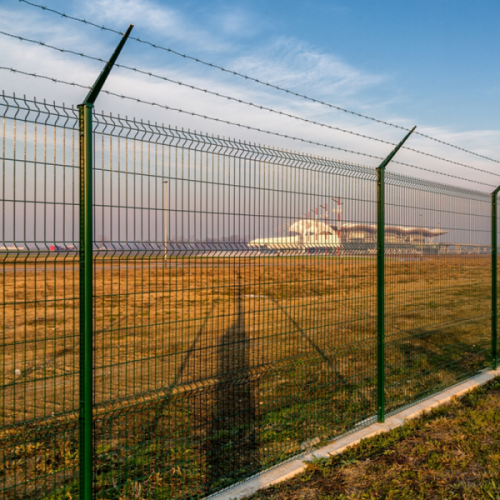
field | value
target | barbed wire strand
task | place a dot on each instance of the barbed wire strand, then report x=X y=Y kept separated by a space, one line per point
x=242 y=101
x=255 y=80
x=235 y=124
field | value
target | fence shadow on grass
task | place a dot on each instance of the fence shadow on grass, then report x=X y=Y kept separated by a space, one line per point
x=232 y=450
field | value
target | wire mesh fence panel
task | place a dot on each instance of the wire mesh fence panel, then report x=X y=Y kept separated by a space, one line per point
x=234 y=303
x=438 y=287
x=38 y=300
x=232 y=332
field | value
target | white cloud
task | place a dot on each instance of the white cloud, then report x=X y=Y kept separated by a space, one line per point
x=294 y=64
x=154 y=19
x=144 y=13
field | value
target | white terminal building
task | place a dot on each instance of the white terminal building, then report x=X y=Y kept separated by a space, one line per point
x=316 y=236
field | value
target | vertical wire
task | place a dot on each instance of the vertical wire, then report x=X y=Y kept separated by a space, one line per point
x=155 y=261
x=130 y=296
x=167 y=276
x=14 y=198
x=138 y=269
x=45 y=234
x=125 y=298
x=74 y=214
x=146 y=293
x=115 y=303
x=64 y=276
x=25 y=271
x=54 y=260
x=112 y=274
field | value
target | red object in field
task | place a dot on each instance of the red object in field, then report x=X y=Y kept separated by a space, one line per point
x=55 y=248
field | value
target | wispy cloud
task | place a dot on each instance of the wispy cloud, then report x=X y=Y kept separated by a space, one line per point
x=292 y=63
x=156 y=19
x=236 y=22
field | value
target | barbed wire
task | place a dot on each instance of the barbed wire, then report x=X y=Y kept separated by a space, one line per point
x=242 y=101
x=235 y=124
x=256 y=80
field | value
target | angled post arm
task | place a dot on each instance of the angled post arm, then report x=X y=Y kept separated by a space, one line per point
x=101 y=79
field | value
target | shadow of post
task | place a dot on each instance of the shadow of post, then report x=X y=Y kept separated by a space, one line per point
x=232 y=448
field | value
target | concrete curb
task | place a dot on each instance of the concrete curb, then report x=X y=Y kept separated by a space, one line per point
x=292 y=468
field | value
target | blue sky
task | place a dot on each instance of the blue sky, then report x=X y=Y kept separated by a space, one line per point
x=436 y=57
x=429 y=63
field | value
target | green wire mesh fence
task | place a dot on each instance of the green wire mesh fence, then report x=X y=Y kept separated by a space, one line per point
x=438 y=288
x=234 y=303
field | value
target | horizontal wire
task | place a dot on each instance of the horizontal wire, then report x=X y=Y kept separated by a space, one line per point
x=256 y=80
x=241 y=101
x=247 y=127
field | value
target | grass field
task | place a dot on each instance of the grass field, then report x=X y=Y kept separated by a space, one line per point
x=208 y=370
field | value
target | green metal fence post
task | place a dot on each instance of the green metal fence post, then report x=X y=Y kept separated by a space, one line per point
x=380 y=294
x=381 y=280
x=86 y=274
x=85 y=111
x=494 y=284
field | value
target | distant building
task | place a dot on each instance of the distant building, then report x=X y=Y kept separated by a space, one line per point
x=12 y=248
x=308 y=235
x=315 y=236
x=356 y=233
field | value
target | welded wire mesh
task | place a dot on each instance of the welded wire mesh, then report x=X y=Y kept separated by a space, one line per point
x=438 y=287
x=235 y=331
x=39 y=301
x=235 y=318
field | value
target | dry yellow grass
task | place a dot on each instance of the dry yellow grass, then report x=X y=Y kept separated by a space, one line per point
x=157 y=325
x=194 y=326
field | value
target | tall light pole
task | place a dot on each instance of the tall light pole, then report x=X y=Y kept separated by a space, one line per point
x=325 y=208
x=338 y=211
x=421 y=229
x=165 y=215
x=315 y=212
